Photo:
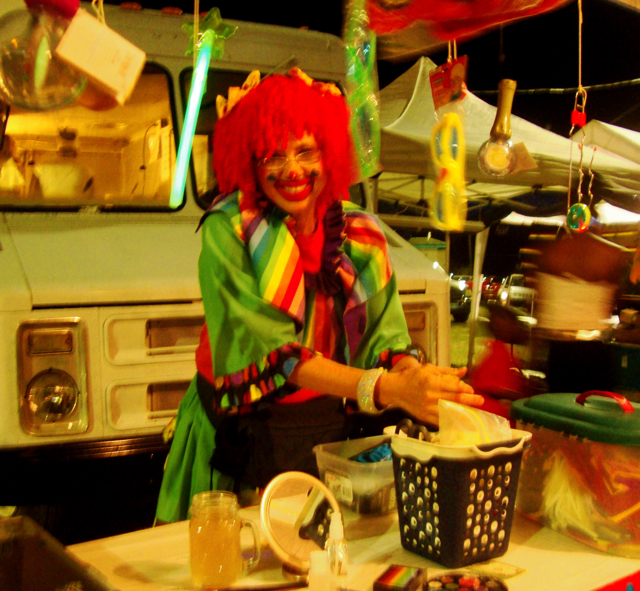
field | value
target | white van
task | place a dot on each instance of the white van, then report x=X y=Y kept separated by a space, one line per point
x=100 y=308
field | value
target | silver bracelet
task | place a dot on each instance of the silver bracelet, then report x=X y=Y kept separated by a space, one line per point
x=366 y=388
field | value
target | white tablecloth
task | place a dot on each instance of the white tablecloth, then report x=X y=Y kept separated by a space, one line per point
x=538 y=559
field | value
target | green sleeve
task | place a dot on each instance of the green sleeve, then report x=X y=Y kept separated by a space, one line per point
x=243 y=327
x=386 y=327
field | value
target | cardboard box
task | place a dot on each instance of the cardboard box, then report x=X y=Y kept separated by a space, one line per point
x=109 y=60
x=33 y=560
x=363 y=487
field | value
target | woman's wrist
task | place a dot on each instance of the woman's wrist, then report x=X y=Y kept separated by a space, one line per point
x=382 y=391
x=406 y=362
x=368 y=385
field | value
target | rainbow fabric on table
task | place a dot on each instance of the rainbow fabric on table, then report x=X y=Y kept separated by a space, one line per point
x=400 y=578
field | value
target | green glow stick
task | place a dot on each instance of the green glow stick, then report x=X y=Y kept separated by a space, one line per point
x=360 y=45
x=198 y=83
x=211 y=42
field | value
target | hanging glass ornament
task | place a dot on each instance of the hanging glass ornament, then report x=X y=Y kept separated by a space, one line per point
x=497 y=156
x=31 y=76
x=579 y=217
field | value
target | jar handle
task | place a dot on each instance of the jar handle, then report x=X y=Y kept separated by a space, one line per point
x=619 y=398
x=252 y=562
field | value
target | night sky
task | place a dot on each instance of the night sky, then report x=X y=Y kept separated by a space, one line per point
x=539 y=53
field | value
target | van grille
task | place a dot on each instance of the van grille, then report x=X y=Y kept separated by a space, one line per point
x=164 y=398
x=173 y=335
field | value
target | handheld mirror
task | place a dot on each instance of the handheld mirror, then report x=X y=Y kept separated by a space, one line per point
x=294 y=514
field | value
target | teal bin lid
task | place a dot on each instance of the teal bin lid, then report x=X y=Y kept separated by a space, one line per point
x=599 y=416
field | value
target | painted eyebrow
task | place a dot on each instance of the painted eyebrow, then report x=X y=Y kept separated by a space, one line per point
x=301 y=148
x=307 y=146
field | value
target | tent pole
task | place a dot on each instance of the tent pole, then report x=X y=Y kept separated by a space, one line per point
x=374 y=196
x=447 y=252
x=478 y=259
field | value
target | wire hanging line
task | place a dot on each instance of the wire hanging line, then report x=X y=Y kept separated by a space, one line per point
x=572 y=90
x=452 y=51
x=578 y=117
x=196 y=31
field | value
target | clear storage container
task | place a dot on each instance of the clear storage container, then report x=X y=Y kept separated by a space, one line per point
x=581 y=475
x=363 y=487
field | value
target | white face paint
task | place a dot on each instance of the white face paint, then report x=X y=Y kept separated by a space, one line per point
x=294 y=178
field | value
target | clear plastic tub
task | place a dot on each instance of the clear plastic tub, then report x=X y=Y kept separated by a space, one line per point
x=362 y=487
x=580 y=476
x=32 y=560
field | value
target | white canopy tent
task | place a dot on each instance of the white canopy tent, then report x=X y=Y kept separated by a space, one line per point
x=407 y=118
x=539 y=188
x=615 y=140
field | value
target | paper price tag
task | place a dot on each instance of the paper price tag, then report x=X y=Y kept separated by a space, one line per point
x=109 y=60
x=448 y=82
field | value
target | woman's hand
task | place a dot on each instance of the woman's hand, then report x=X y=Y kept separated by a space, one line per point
x=409 y=361
x=417 y=388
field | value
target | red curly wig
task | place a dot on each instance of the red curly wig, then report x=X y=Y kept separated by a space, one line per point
x=261 y=123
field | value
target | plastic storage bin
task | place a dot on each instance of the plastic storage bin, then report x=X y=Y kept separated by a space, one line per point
x=456 y=504
x=32 y=560
x=363 y=487
x=581 y=475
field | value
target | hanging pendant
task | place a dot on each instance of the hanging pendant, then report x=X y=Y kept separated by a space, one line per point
x=579 y=217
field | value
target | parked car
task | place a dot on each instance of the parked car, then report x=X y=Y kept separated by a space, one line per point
x=490 y=288
x=515 y=293
x=460 y=297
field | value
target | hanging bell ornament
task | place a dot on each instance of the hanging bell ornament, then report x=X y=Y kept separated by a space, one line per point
x=497 y=156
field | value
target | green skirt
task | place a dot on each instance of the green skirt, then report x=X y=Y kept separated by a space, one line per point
x=187 y=470
x=282 y=438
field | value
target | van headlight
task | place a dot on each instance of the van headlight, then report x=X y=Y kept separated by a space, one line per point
x=52 y=395
x=52 y=376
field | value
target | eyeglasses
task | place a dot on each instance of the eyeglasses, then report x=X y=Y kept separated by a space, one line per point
x=302 y=158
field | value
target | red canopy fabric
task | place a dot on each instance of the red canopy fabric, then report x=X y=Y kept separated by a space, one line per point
x=65 y=8
x=452 y=19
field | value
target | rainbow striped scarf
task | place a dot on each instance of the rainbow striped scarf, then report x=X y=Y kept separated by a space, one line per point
x=364 y=268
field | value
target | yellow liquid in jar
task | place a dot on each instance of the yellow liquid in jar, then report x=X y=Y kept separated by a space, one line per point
x=216 y=559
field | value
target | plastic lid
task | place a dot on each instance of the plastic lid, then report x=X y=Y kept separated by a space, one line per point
x=336 y=529
x=594 y=415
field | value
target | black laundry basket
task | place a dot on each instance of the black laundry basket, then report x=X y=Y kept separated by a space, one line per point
x=456 y=504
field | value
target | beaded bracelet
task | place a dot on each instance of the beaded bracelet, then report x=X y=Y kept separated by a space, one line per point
x=366 y=387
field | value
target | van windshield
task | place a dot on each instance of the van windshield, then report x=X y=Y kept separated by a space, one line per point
x=119 y=158
x=218 y=83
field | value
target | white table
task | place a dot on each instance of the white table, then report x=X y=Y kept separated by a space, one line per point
x=157 y=559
